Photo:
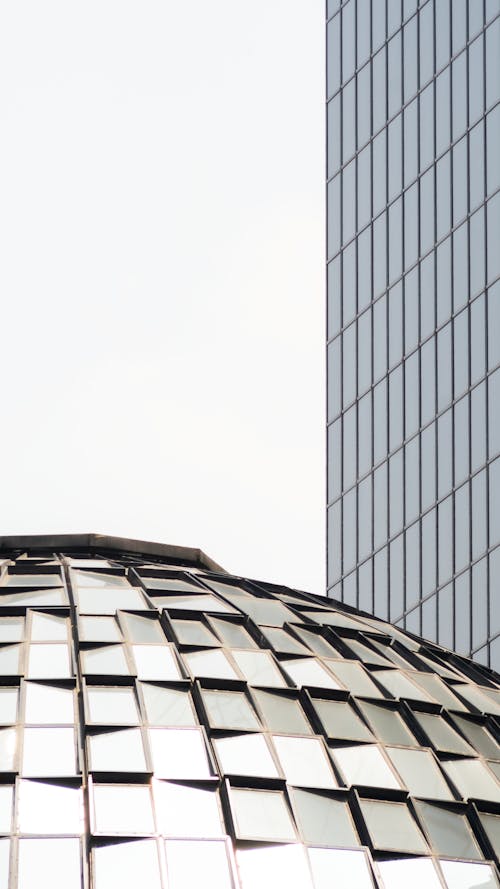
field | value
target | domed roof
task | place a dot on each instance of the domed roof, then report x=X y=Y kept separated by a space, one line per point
x=172 y=726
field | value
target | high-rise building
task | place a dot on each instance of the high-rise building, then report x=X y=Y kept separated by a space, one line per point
x=167 y=725
x=414 y=315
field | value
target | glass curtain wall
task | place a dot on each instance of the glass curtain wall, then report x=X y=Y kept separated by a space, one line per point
x=413 y=348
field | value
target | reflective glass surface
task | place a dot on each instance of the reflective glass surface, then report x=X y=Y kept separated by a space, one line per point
x=413 y=224
x=365 y=756
x=122 y=809
x=186 y=811
x=261 y=815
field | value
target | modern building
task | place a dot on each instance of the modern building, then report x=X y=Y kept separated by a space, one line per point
x=414 y=316
x=167 y=725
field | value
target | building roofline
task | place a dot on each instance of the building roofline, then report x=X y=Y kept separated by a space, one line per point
x=109 y=543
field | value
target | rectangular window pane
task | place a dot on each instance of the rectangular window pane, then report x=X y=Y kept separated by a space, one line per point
x=188 y=864
x=185 y=811
x=117 y=751
x=37 y=860
x=127 y=865
x=261 y=815
x=179 y=753
x=49 y=808
x=168 y=706
x=49 y=752
x=122 y=808
x=112 y=706
x=304 y=761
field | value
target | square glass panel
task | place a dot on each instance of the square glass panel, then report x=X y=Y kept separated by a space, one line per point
x=36 y=864
x=478 y=736
x=190 y=864
x=479 y=698
x=46 y=661
x=49 y=752
x=127 y=865
x=49 y=808
x=117 y=751
x=210 y=663
x=156 y=662
x=48 y=704
x=368 y=655
x=473 y=779
x=323 y=820
x=261 y=815
x=304 y=761
x=112 y=705
x=434 y=685
x=99 y=629
x=281 y=640
x=142 y=629
x=441 y=734
x=229 y=710
x=259 y=668
x=11 y=629
x=420 y=773
x=232 y=634
x=8 y=705
x=10 y=656
x=168 y=706
x=122 y=808
x=179 y=753
x=399 y=685
x=48 y=628
x=193 y=632
x=107 y=660
x=354 y=676
x=448 y=831
x=316 y=641
x=340 y=721
x=350 y=869
x=365 y=766
x=245 y=755
x=391 y=826
x=309 y=672
x=282 y=714
x=185 y=811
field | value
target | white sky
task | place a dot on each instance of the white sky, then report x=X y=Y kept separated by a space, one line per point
x=162 y=276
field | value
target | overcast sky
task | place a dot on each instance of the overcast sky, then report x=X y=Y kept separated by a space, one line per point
x=162 y=276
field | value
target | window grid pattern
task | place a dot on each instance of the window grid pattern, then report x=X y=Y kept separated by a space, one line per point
x=413 y=122
x=309 y=737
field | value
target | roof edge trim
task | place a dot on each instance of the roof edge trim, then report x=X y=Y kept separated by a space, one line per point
x=108 y=542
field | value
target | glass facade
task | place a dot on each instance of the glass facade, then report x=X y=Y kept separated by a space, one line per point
x=242 y=736
x=413 y=194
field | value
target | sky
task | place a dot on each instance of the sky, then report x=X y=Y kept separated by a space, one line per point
x=162 y=276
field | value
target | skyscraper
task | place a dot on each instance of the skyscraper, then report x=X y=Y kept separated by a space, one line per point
x=165 y=724
x=414 y=315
